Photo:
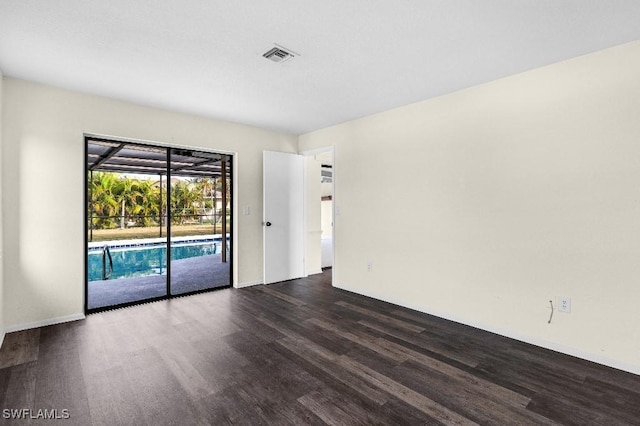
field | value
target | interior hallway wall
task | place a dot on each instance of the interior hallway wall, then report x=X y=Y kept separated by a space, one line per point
x=326 y=219
x=313 y=216
x=326 y=191
x=43 y=167
x=503 y=197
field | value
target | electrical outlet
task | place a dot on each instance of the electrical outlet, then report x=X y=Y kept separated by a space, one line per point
x=369 y=266
x=564 y=304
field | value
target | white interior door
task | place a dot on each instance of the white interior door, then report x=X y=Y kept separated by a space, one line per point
x=283 y=220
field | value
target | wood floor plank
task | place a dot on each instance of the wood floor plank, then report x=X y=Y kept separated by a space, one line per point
x=440 y=327
x=325 y=361
x=462 y=357
x=19 y=348
x=112 y=399
x=499 y=393
x=156 y=390
x=5 y=377
x=624 y=401
x=20 y=388
x=246 y=320
x=391 y=412
x=257 y=300
x=398 y=390
x=59 y=380
x=295 y=415
x=181 y=361
x=591 y=397
x=330 y=341
x=400 y=413
x=328 y=410
x=294 y=301
x=474 y=402
x=385 y=318
x=533 y=376
x=569 y=413
x=232 y=407
x=365 y=341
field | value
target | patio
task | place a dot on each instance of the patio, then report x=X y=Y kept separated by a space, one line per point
x=187 y=275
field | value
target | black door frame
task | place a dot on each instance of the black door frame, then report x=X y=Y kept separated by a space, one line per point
x=169 y=213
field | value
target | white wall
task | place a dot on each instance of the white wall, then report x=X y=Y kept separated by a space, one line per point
x=1 y=209
x=326 y=189
x=505 y=195
x=326 y=214
x=44 y=163
x=313 y=196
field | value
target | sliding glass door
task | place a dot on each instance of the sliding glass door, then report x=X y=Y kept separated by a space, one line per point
x=200 y=221
x=158 y=222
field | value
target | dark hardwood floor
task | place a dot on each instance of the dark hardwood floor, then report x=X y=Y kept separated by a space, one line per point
x=298 y=352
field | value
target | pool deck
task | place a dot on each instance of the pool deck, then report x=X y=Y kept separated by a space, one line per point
x=187 y=275
x=150 y=241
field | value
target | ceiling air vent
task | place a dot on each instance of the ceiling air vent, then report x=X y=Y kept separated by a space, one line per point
x=279 y=54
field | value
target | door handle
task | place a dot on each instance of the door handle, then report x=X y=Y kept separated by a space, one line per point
x=267 y=224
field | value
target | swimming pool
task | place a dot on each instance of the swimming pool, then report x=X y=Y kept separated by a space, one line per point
x=143 y=260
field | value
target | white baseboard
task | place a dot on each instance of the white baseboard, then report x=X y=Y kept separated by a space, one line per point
x=43 y=323
x=248 y=284
x=567 y=350
x=2 y=333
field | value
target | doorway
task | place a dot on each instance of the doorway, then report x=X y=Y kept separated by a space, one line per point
x=158 y=222
x=321 y=208
x=326 y=208
x=293 y=186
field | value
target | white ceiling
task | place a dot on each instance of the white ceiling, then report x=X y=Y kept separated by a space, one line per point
x=358 y=57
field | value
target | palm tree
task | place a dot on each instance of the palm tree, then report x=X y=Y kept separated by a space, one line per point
x=185 y=199
x=225 y=202
x=103 y=199
x=148 y=200
x=128 y=193
x=207 y=187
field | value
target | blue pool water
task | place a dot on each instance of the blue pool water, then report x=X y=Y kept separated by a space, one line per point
x=145 y=260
